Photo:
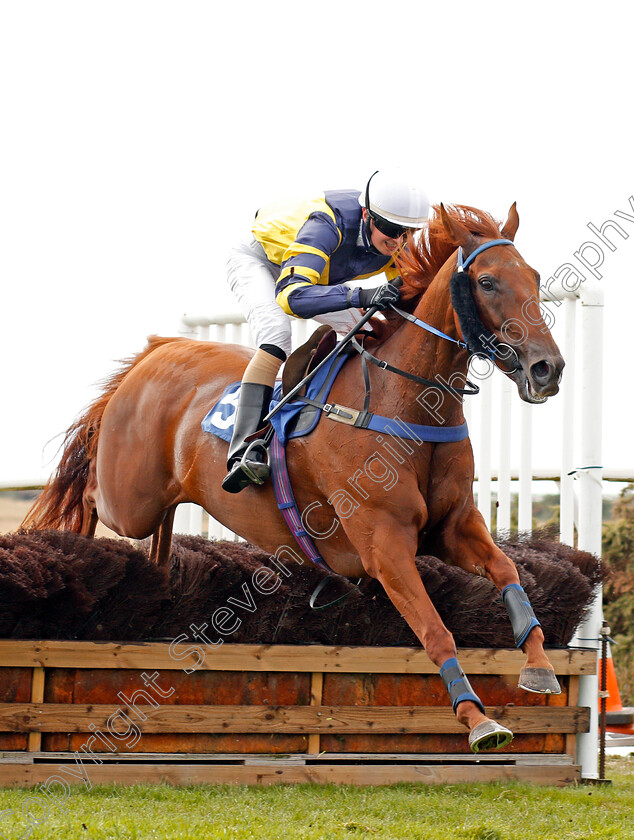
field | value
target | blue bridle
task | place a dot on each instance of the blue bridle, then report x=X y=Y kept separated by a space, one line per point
x=491 y=352
x=463 y=265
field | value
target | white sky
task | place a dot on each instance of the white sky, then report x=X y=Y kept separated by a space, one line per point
x=138 y=139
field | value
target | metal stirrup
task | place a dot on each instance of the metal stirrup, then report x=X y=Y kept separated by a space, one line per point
x=245 y=464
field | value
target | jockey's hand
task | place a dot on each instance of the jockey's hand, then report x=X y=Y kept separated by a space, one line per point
x=380 y=296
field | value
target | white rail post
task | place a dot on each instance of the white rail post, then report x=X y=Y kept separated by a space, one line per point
x=188 y=519
x=503 y=519
x=590 y=502
x=568 y=389
x=484 y=454
x=525 y=489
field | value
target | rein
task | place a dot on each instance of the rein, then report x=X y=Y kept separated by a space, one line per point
x=431 y=383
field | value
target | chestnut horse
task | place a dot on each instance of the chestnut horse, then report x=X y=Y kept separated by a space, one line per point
x=139 y=450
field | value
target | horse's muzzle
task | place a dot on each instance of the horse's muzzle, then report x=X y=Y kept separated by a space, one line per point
x=541 y=381
x=547 y=375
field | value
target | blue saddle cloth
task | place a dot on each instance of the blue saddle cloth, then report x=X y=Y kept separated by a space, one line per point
x=219 y=421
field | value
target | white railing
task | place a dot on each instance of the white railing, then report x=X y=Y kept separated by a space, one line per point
x=509 y=437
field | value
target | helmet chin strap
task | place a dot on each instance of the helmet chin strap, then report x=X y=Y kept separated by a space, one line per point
x=367 y=224
x=367 y=235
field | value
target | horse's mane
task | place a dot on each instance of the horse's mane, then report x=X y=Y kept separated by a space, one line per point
x=425 y=255
x=59 y=506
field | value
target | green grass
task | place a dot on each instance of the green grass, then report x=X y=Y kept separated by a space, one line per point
x=499 y=811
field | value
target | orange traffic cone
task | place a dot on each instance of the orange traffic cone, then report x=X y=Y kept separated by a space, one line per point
x=618 y=719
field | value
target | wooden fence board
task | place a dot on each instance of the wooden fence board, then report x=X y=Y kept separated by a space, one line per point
x=65 y=757
x=62 y=717
x=37 y=696
x=387 y=774
x=59 y=654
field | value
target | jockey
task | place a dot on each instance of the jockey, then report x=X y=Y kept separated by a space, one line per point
x=297 y=262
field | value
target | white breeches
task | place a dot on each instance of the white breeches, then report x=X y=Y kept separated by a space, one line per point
x=252 y=277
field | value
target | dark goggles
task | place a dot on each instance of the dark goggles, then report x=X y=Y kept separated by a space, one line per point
x=388 y=228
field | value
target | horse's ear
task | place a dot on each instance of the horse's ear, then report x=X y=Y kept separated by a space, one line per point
x=457 y=232
x=512 y=223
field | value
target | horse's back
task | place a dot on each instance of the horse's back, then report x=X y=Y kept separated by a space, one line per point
x=184 y=363
x=150 y=431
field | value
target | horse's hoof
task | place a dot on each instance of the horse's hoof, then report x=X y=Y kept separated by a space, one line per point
x=489 y=735
x=539 y=681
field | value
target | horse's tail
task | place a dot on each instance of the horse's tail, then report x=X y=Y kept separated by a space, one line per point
x=60 y=505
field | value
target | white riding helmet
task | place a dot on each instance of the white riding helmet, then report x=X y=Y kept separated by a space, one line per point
x=391 y=196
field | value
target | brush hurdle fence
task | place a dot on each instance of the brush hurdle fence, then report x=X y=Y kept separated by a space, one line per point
x=269 y=713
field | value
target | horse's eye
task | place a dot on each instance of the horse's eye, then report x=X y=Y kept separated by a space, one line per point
x=486 y=283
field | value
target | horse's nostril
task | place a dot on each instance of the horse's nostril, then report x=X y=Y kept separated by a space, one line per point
x=541 y=372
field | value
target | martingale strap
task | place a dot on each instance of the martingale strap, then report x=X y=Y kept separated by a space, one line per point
x=288 y=506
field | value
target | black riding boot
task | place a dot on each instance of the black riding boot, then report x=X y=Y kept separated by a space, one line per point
x=253 y=406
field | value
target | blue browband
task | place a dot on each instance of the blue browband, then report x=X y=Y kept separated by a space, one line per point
x=464 y=265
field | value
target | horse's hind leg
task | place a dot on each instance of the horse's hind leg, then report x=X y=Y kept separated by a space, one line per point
x=89 y=517
x=89 y=521
x=162 y=540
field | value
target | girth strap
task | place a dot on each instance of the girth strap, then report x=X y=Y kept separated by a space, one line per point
x=391 y=425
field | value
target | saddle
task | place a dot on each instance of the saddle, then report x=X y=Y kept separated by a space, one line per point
x=299 y=365
x=303 y=360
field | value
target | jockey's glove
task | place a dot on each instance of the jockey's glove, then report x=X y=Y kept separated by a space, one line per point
x=379 y=296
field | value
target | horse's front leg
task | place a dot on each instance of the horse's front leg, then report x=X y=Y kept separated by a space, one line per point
x=387 y=548
x=466 y=541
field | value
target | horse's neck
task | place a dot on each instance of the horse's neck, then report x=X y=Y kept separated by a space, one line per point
x=424 y=354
